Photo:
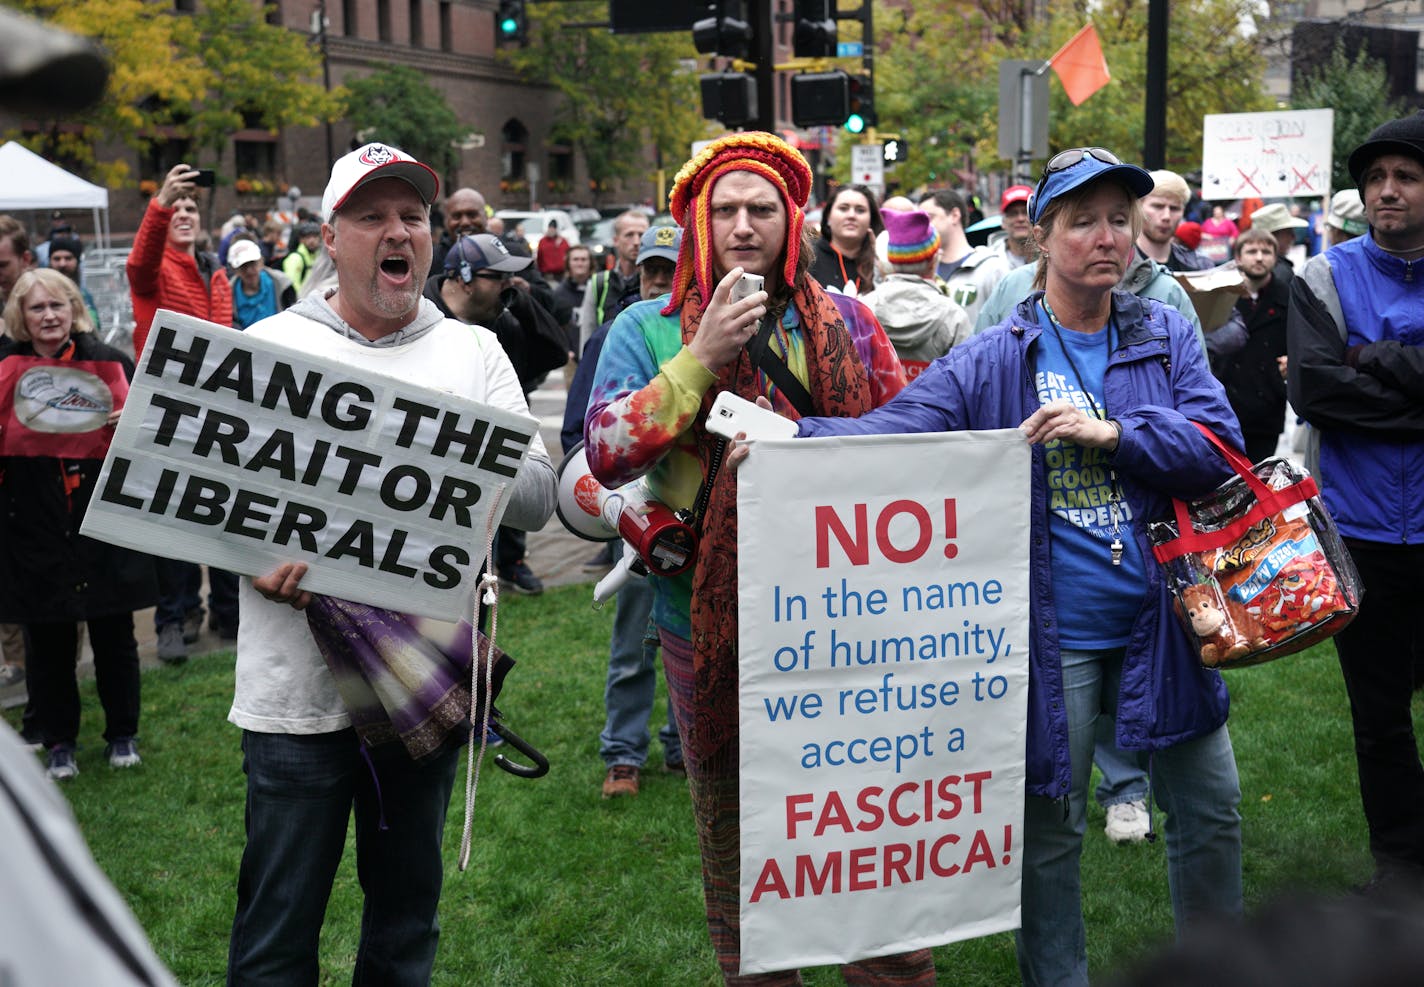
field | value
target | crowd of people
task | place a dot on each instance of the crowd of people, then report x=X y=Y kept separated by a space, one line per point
x=885 y=319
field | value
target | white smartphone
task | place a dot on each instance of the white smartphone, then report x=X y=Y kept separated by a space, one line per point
x=748 y=284
x=731 y=415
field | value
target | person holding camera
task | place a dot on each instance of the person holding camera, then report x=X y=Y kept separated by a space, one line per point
x=167 y=270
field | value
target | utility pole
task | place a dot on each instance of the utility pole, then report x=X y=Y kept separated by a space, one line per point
x=1154 y=115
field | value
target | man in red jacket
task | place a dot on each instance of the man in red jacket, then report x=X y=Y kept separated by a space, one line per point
x=166 y=270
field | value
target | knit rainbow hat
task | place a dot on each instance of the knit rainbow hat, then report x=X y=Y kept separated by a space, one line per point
x=909 y=237
x=760 y=153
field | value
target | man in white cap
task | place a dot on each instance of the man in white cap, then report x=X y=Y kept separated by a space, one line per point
x=1346 y=219
x=258 y=291
x=305 y=766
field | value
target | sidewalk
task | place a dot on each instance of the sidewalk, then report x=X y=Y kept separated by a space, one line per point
x=555 y=555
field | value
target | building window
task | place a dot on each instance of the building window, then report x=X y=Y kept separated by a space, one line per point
x=383 y=19
x=162 y=156
x=515 y=138
x=417 y=24
x=274 y=12
x=255 y=159
x=348 y=18
x=445 y=31
x=185 y=6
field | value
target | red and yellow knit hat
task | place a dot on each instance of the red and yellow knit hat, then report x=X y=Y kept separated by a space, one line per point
x=760 y=153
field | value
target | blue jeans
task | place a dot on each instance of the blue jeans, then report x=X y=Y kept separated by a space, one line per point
x=180 y=587
x=1124 y=772
x=1194 y=783
x=300 y=795
x=633 y=682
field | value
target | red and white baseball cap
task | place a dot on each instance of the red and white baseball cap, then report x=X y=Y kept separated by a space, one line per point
x=1015 y=193
x=366 y=164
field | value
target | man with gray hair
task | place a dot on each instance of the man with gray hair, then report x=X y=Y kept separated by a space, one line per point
x=1161 y=214
x=307 y=770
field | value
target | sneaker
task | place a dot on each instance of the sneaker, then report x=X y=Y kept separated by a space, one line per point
x=192 y=625
x=172 y=648
x=603 y=559
x=61 y=763
x=11 y=675
x=492 y=739
x=521 y=579
x=123 y=753
x=622 y=779
x=1128 y=822
x=30 y=737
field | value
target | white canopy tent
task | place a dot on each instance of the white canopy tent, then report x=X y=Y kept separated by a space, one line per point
x=29 y=182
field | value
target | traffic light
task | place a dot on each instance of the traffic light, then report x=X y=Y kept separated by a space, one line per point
x=724 y=29
x=730 y=97
x=820 y=99
x=510 y=25
x=861 y=104
x=815 y=33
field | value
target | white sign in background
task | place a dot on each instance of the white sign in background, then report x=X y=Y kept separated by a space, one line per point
x=884 y=628
x=244 y=454
x=1275 y=154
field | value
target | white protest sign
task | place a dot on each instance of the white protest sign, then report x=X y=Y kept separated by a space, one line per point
x=1268 y=155
x=243 y=453
x=884 y=609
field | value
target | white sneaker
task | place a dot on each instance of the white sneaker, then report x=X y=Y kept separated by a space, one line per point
x=1128 y=822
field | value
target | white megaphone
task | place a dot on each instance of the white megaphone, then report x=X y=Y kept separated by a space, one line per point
x=663 y=544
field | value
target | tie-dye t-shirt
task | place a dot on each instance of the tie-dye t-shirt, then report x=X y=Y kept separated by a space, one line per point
x=647 y=393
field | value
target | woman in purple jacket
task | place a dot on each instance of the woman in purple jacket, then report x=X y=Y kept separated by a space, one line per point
x=1106 y=386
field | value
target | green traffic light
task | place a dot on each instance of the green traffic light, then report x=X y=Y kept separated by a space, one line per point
x=509 y=26
x=855 y=123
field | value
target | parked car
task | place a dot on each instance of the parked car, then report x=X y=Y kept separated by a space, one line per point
x=597 y=236
x=535 y=223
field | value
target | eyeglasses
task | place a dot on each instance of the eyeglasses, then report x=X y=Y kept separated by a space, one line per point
x=1064 y=160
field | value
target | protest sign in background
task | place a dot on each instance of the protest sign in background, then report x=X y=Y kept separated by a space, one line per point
x=58 y=407
x=242 y=453
x=884 y=612
x=1275 y=154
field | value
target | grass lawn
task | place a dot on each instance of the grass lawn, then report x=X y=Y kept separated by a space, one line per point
x=567 y=889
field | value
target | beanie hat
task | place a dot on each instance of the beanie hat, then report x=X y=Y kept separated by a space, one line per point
x=69 y=243
x=910 y=239
x=757 y=152
x=1403 y=136
x=1347 y=212
x=1190 y=234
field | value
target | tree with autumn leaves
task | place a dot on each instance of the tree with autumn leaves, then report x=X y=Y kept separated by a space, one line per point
x=1216 y=64
x=205 y=75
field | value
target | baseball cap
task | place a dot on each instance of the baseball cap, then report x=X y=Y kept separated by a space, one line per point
x=243 y=252
x=1403 y=136
x=660 y=241
x=481 y=252
x=372 y=161
x=1347 y=212
x=1276 y=217
x=1014 y=193
x=1063 y=174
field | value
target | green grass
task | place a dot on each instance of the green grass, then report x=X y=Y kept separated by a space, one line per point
x=564 y=888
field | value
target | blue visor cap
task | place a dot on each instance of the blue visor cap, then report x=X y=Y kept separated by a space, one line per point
x=1090 y=169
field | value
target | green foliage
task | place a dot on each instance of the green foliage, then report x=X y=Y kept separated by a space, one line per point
x=208 y=74
x=566 y=888
x=396 y=105
x=1351 y=86
x=618 y=92
x=1214 y=67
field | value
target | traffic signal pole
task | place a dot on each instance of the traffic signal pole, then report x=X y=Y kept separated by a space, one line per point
x=764 y=54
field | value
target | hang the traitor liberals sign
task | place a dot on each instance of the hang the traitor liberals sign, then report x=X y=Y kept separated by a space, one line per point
x=883 y=600
x=244 y=454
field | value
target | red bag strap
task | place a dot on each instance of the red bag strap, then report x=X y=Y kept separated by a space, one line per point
x=1268 y=502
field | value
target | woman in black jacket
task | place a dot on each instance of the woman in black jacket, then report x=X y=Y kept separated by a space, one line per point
x=845 y=252
x=51 y=576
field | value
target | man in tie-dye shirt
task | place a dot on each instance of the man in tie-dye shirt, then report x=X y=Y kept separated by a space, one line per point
x=664 y=361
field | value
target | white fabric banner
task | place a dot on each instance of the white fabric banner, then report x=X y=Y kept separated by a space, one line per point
x=883 y=600
x=244 y=454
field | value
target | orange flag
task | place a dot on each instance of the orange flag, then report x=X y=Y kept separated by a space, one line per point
x=1080 y=65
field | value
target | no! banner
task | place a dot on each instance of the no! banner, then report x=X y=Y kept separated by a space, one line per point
x=884 y=628
x=243 y=453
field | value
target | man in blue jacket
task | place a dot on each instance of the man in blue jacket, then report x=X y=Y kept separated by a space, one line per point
x=1356 y=374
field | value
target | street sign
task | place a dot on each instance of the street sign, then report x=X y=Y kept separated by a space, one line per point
x=894 y=151
x=867 y=164
x=1023 y=110
x=849 y=49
